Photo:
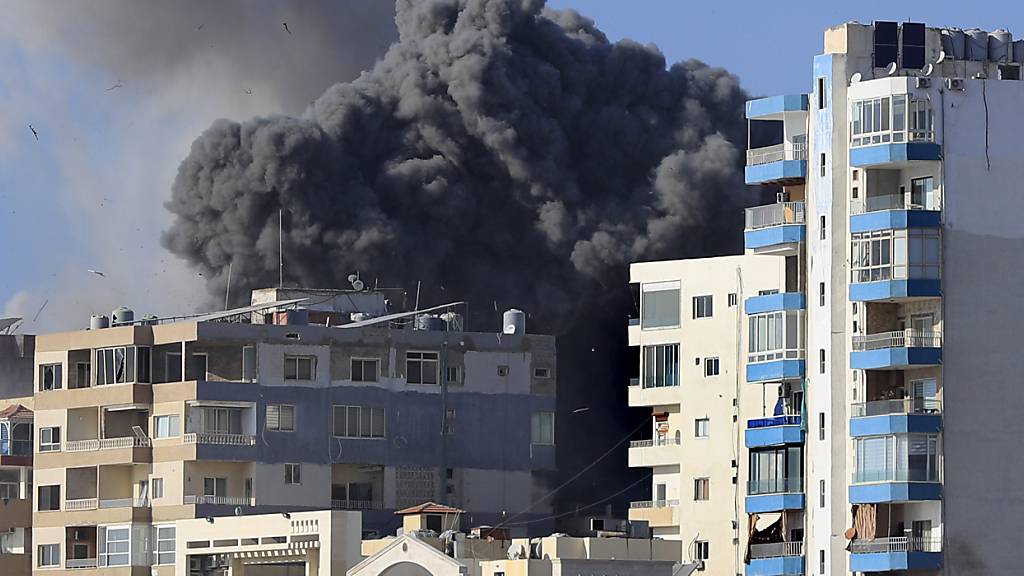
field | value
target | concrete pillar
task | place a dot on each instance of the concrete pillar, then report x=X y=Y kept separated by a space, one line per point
x=236 y=568
x=313 y=562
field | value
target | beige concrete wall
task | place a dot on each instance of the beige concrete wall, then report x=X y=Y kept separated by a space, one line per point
x=270 y=489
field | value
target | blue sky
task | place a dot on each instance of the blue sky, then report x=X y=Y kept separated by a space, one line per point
x=89 y=192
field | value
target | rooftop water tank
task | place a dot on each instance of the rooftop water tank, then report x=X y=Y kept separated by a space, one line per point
x=977 y=44
x=514 y=321
x=360 y=316
x=148 y=320
x=98 y=322
x=954 y=43
x=429 y=322
x=121 y=316
x=1000 y=46
x=1018 y=51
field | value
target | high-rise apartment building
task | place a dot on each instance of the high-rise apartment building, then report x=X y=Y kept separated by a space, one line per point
x=876 y=397
x=16 y=439
x=341 y=404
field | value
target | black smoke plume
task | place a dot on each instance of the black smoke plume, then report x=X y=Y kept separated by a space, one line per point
x=500 y=152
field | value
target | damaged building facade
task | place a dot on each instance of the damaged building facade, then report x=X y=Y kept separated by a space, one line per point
x=851 y=409
x=328 y=402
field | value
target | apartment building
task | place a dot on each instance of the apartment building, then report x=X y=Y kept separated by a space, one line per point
x=262 y=409
x=16 y=436
x=892 y=445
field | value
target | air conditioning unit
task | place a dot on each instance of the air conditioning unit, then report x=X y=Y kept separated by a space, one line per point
x=954 y=83
x=782 y=196
x=921 y=82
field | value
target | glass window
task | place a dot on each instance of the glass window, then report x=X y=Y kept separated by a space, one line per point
x=115 y=365
x=48 y=555
x=49 y=439
x=703 y=306
x=299 y=367
x=248 y=364
x=214 y=487
x=116 y=547
x=659 y=306
x=774 y=336
x=701 y=550
x=542 y=428
x=421 y=367
x=165 y=536
x=167 y=426
x=661 y=365
x=711 y=366
x=701 y=487
x=143 y=364
x=281 y=417
x=292 y=474
x=50 y=377
x=358 y=422
x=701 y=427
x=158 y=487
x=365 y=370
x=49 y=497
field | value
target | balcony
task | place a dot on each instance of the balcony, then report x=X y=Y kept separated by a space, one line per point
x=896 y=350
x=775 y=228
x=79 y=504
x=640 y=396
x=774 y=495
x=777 y=302
x=650 y=453
x=900 y=416
x=776 y=559
x=657 y=513
x=357 y=505
x=891 y=130
x=896 y=154
x=895 y=553
x=892 y=212
x=784 y=163
x=196 y=499
x=124 y=503
x=219 y=439
x=900 y=485
x=106 y=444
x=774 y=431
x=78 y=563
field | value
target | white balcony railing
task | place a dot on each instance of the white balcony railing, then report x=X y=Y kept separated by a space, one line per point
x=896 y=406
x=222 y=500
x=777 y=153
x=778 y=214
x=671 y=441
x=124 y=503
x=654 y=503
x=106 y=444
x=896 y=544
x=218 y=438
x=776 y=549
x=74 y=563
x=897 y=339
x=357 y=505
x=81 y=504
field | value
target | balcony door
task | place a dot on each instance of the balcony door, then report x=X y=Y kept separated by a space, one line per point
x=924 y=392
x=215 y=487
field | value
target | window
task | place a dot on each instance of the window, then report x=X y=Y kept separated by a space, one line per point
x=702 y=306
x=214 y=487
x=164 y=544
x=50 y=377
x=144 y=366
x=49 y=555
x=158 y=487
x=541 y=372
x=421 y=367
x=220 y=420
x=821 y=293
x=821 y=93
x=247 y=489
x=299 y=367
x=821 y=228
x=922 y=193
x=732 y=299
x=449 y=421
x=365 y=370
x=172 y=367
x=167 y=425
x=49 y=439
x=116 y=546
x=910 y=120
x=248 y=364
x=821 y=561
x=821 y=360
x=659 y=305
x=292 y=474
x=453 y=375
x=821 y=493
x=281 y=417
x=776 y=470
x=200 y=366
x=711 y=366
x=10 y=484
x=774 y=336
x=701 y=487
x=700 y=427
x=701 y=550
x=821 y=426
x=661 y=365
x=115 y=365
x=542 y=428
x=822 y=167
x=358 y=422
x=82 y=375
x=502 y=370
x=896 y=458
x=49 y=498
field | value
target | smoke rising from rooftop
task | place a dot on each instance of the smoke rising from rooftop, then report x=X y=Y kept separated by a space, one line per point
x=499 y=151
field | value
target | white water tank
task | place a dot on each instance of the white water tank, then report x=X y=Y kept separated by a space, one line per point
x=513 y=321
x=98 y=322
x=122 y=315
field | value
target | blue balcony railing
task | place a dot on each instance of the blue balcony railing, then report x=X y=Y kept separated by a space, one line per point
x=793 y=420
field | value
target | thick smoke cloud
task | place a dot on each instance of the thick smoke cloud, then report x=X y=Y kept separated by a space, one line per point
x=499 y=152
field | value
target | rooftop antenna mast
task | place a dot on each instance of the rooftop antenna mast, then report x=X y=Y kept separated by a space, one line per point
x=227 y=293
x=280 y=248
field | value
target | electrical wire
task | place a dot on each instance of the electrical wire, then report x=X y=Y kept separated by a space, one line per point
x=578 y=474
x=591 y=505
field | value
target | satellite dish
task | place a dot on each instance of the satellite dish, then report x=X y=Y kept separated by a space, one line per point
x=891 y=68
x=358 y=285
x=927 y=70
x=353 y=277
x=941 y=58
x=238 y=511
x=855 y=78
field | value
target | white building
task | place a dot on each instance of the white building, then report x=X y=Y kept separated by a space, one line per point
x=897 y=216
